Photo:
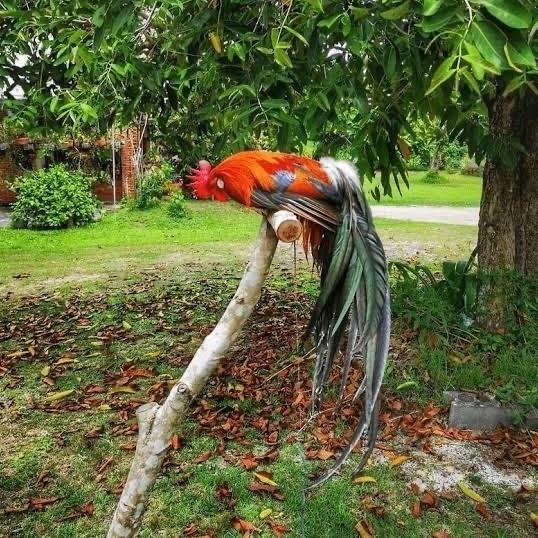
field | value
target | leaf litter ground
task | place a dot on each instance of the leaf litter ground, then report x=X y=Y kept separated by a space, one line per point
x=75 y=365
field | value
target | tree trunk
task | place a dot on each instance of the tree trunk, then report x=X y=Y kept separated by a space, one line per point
x=508 y=226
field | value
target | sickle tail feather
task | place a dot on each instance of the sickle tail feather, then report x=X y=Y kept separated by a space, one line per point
x=354 y=302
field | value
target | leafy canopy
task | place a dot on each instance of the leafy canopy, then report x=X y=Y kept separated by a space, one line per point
x=329 y=72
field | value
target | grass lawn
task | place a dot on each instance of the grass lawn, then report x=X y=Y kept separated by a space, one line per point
x=77 y=360
x=125 y=241
x=455 y=190
x=76 y=365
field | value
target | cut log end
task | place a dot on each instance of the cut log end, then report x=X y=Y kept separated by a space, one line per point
x=286 y=226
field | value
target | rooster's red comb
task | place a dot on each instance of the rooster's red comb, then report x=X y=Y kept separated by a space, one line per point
x=199 y=180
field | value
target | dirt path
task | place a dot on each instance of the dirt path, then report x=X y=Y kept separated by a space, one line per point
x=426 y=213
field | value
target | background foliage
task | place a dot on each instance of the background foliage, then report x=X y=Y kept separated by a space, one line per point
x=54 y=198
x=316 y=70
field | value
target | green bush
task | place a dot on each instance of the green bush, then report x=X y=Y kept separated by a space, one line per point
x=433 y=177
x=469 y=167
x=178 y=207
x=53 y=198
x=153 y=186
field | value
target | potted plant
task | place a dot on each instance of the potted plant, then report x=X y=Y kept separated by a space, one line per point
x=21 y=140
x=101 y=142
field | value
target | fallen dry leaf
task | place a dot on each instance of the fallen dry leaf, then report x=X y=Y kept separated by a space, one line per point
x=471 y=493
x=190 y=530
x=87 y=509
x=364 y=529
x=266 y=478
x=38 y=503
x=202 y=458
x=416 y=511
x=483 y=510
x=249 y=462
x=364 y=479
x=428 y=499
x=534 y=518
x=398 y=460
x=371 y=506
x=122 y=388
x=266 y=512
x=441 y=534
x=278 y=529
x=65 y=359
x=56 y=396
x=175 y=442
x=242 y=525
x=258 y=487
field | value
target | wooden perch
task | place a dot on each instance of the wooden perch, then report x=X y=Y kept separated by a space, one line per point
x=157 y=423
x=286 y=226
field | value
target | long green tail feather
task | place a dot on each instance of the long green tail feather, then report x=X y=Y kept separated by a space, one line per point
x=354 y=298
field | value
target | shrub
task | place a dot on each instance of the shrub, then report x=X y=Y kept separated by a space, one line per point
x=470 y=167
x=153 y=187
x=433 y=177
x=53 y=198
x=177 y=208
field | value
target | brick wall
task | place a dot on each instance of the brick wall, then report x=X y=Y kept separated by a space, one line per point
x=125 y=175
x=104 y=192
x=129 y=139
x=7 y=172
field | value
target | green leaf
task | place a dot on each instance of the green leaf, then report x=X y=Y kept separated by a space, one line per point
x=431 y=7
x=282 y=58
x=442 y=74
x=297 y=35
x=54 y=103
x=489 y=41
x=479 y=65
x=471 y=81
x=316 y=4
x=514 y=84
x=329 y=22
x=359 y=12
x=346 y=24
x=509 y=12
x=275 y=35
x=511 y=63
x=397 y=12
x=89 y=111
x=520 y=53
x=389 y=61
x=439 y=20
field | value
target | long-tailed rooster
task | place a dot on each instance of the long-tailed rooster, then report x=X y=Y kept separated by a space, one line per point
x=327 y=198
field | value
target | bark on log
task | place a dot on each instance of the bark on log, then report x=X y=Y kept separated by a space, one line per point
x=157 y=423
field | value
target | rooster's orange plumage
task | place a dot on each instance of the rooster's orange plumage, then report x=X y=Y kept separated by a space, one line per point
x=353 y=304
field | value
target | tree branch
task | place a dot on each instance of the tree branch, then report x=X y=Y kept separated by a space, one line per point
x=157 y=423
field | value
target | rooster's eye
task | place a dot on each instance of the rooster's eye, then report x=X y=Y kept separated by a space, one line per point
x=220 y=183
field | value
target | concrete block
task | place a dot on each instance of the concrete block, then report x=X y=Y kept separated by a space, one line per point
x=478 y=412
x=481 y=411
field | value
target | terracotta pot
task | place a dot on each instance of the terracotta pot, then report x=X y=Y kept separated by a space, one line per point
x=101 y=143
x=21 y=140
